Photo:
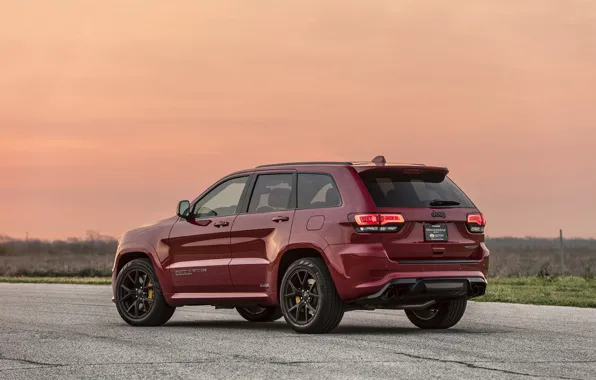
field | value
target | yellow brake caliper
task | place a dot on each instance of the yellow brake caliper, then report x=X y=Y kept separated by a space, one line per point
x=150 y=292
x=298 y=299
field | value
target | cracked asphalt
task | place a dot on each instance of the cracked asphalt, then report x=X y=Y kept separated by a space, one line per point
x=74 y=332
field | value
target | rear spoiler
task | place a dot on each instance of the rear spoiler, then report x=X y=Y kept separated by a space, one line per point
x=406 y=169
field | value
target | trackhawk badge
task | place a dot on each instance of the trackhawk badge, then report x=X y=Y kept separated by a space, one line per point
x=188 y=272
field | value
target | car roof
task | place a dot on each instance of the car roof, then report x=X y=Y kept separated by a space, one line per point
x=359 y=166
x=376 y=163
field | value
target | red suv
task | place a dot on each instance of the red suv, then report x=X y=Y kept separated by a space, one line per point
x=309 y=241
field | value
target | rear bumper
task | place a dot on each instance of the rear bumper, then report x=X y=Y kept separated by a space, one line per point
x=364 y=270
x=420 y=292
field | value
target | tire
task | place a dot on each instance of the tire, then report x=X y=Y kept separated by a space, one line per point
x=447 y=315
x=322 y=297
x=260 y=314
x=153 y=311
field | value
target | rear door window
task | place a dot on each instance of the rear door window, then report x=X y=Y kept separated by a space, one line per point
x=394 y=188
x=272 y=192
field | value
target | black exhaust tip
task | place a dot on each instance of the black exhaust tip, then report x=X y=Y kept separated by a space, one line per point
x=477 y=291
x=400 y=293
x=391 y=293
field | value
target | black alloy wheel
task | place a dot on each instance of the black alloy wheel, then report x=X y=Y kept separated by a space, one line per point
x=301 y=296
x=308 y=298
x=260 y=314
x=426 y=314
x=136 y=294
x=442 y=315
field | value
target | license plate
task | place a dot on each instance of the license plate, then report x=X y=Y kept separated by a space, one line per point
x=435 y=232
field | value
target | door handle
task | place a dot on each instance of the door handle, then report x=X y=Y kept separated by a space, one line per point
x=278 y=219
x=221 y=224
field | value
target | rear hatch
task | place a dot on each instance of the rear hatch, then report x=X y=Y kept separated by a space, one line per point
x=440 y=223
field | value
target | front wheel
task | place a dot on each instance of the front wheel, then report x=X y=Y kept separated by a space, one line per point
x=260 y=314
x=308 y=298
x=438 y=316
x=139 y=299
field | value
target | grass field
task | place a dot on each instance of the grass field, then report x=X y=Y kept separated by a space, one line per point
x=561 y=291
x=58 y=280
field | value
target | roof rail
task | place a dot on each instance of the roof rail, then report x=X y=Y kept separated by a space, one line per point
x=378 y=161
x=306 y=163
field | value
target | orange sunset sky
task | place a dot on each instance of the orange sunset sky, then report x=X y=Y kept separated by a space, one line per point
x=112 y=111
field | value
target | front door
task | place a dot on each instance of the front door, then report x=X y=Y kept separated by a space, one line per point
x=200 y=246
x=262 y=232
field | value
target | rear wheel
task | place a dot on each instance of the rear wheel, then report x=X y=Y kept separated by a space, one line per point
x=438 y=316
x=139 y=298
x=260 y=314
x=308 y=298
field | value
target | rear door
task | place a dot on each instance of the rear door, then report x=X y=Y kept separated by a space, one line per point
x=260 y=233
x=435 y=211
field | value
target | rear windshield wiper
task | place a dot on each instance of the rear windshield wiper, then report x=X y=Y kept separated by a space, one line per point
x=438 y=202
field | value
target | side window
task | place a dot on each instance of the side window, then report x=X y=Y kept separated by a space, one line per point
x=223 y=200
x=272 y=192
x=316 y=191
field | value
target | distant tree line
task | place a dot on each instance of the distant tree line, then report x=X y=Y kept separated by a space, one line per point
x=93 y=255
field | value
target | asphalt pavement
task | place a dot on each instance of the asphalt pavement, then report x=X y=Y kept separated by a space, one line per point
x=74 y=332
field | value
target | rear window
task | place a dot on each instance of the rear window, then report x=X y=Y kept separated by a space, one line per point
x=398 y=189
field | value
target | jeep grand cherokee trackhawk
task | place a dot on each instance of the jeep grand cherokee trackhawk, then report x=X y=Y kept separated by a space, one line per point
x=309 y=241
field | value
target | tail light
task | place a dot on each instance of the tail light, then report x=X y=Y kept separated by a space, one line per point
x=367 y=219
x=378 y=222
x=391 y=218
x=476 y=223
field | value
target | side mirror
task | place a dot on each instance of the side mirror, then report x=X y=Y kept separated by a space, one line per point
x=183 y=209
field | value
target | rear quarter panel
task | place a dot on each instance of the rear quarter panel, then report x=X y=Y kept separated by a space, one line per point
x=321 y=227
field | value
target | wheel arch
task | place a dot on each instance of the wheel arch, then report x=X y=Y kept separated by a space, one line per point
x=292 y=254
x=128 y=254
x=127 y=257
